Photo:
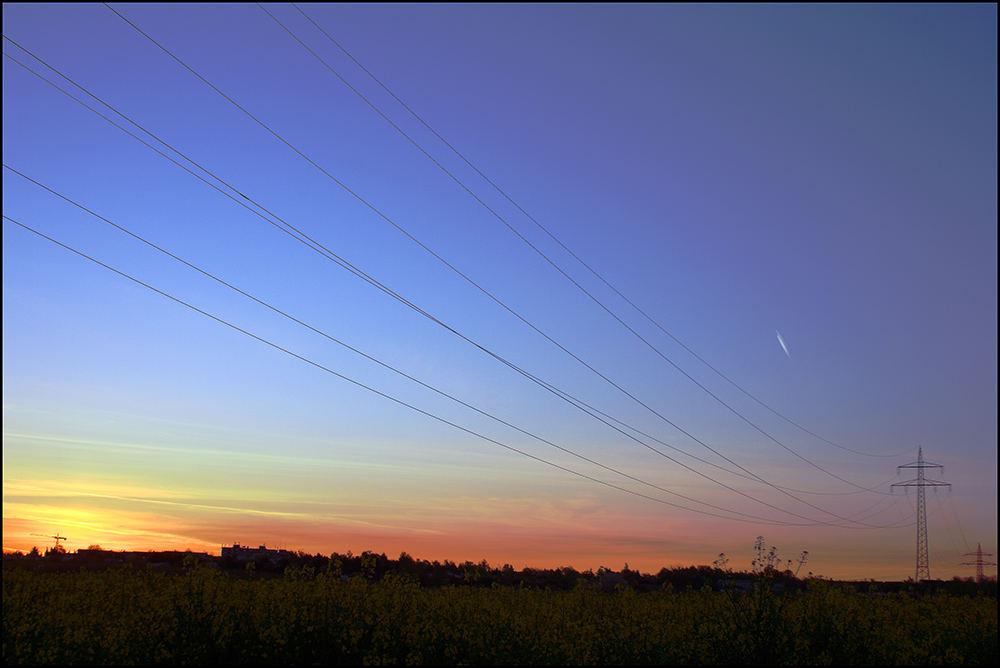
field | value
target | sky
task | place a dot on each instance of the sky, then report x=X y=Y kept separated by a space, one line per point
x=801 y=199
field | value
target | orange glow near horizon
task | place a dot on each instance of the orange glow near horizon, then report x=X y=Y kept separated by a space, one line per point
x=145 y=497
x=317 y=340
x=143 y=526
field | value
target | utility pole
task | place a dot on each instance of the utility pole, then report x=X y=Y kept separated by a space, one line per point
x=921 y=482
x=978 y=563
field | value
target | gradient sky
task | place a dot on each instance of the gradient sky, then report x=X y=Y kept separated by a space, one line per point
x=824 y=171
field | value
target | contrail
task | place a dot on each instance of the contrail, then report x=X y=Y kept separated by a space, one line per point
x=782 y=342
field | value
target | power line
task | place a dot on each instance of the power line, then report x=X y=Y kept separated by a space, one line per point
x=551 y=263
x=544 y=229
x=361 y=353
x=300 y=236
x=579 y=404
x=296 y=234
x=287 y=228
x=502 y=304
x=392 y=368
x=369 y=388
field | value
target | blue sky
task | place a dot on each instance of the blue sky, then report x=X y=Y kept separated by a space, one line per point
x=826 y=171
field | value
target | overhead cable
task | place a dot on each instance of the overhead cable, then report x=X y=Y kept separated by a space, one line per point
x=368 y=387
x=375 y=210
x=548 y=232
x=394 y=369
x=292 y=231
x=559 y=269
x=367 y=356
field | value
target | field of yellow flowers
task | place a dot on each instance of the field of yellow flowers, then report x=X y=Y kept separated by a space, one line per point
x=205 y=616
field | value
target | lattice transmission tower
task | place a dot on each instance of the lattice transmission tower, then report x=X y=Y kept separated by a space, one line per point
x=978 y=563
x=921 y=482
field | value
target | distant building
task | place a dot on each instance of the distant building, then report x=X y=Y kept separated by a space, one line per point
x=246 y=553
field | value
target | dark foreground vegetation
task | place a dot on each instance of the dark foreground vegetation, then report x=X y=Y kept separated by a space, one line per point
x=202 y=615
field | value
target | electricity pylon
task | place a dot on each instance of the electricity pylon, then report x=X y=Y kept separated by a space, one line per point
x=921 y=482
x=978 y=563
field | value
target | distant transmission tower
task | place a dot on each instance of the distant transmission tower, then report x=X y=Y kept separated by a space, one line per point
x=920 y=482
x=978 y=563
